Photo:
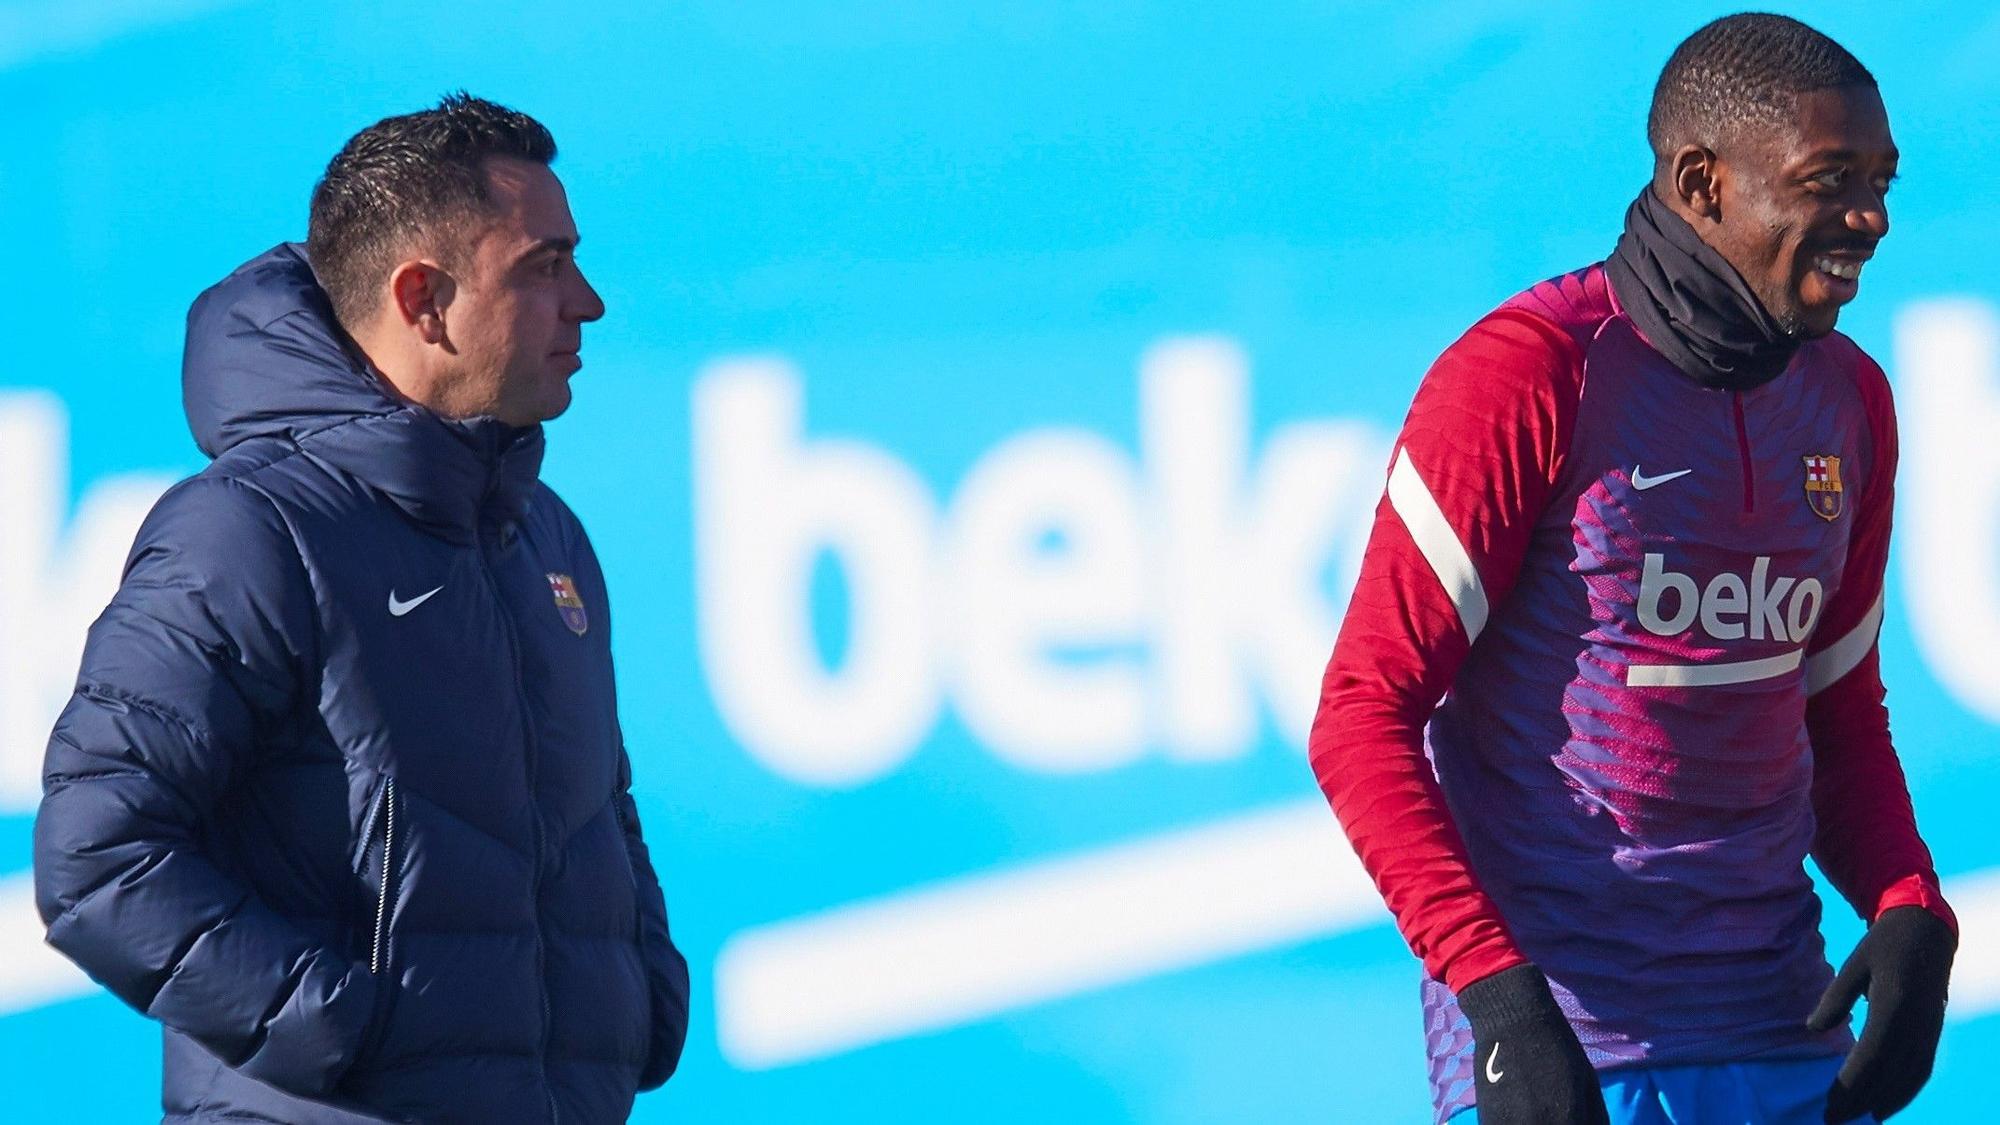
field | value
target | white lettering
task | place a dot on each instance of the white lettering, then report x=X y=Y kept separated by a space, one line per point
x=1043 y=549
x=50 y=589
x=1241 y=583
x=1727 y=600
x=1194 y=429
x=1655 y=580
x=1802 y=612
x=1309 y=518
x=767 y=503
x=1948 y=368
x=1725 y=595
x=1765 y=602
x=1084 y=604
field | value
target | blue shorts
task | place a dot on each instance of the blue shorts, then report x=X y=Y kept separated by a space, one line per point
x=1773 y=1092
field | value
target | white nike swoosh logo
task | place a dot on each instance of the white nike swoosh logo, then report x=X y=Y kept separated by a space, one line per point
x=398 y=607
x=1493 y=1075
x=1642 y=482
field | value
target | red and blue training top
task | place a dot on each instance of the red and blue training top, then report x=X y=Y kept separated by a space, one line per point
x=1610 y=674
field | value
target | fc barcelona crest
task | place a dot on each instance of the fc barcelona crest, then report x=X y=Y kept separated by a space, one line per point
x=1823 y=492
x=569 y=603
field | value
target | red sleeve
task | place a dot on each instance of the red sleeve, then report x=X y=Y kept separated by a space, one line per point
x=1867 y=843
x=1472 y=471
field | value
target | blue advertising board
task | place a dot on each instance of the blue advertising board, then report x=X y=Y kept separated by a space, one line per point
x=979 y=444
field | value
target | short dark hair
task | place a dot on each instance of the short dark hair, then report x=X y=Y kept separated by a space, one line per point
x=405 y=181
x=1743 y=70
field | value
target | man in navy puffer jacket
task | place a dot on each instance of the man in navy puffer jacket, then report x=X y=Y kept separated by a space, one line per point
x=341 y=798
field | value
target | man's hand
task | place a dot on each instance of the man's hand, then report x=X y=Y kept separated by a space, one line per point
x=1902 y=966
x=1530 y=1068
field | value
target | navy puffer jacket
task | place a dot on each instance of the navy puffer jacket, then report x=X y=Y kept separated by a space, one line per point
x=341 y=798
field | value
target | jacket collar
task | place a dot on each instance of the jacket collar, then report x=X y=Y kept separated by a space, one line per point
x=266 y=358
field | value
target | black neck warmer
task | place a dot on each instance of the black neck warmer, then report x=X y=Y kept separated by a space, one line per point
x=1691 y=304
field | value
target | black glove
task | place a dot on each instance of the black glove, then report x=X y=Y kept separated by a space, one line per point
x=1530 y=1068
x=1902 y=965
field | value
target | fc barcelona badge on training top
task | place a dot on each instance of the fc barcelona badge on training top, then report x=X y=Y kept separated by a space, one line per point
x=1823 y=485
x=569 y=604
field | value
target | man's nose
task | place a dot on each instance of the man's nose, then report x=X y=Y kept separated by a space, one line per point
x=587 y=305
x=1870 y=218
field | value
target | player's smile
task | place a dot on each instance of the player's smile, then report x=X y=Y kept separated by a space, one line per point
x=1803 y=208
x=1833 y=277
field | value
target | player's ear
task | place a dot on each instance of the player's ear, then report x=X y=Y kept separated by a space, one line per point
x=1694 y=177
x=419 y=291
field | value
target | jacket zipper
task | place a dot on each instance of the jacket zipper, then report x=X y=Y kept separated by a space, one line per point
x=382 y=819
x=386 y=813
x=1743 y=451
x=534 y=817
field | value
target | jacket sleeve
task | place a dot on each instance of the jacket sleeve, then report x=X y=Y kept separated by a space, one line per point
x=1866 y=841
x=1472 y=471
x=197 y=660
x=666 y=969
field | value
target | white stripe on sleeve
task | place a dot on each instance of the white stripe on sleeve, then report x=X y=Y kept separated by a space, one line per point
x=1829 y=664
x=1440 y=545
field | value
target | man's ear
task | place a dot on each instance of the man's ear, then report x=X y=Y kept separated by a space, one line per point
x=1695 y=178
x=420 y=291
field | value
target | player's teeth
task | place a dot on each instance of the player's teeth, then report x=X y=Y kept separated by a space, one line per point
x=1847 y=270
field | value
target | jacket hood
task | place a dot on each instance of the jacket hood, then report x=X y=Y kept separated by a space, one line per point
x=265 y=358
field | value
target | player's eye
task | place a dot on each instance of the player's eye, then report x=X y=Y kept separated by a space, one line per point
x=1829 y=180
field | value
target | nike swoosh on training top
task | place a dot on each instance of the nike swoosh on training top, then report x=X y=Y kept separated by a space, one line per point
x=1493 y=1075
x=398 y=607
x=1642 y=482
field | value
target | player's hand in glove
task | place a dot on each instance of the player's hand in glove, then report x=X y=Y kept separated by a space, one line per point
x=1530 y=1068
x=1902 y=966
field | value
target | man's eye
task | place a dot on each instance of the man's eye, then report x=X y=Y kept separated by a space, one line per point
x=1831 y=180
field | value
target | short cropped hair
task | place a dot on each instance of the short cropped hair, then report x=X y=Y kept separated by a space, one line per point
x=1740 y=72
x=411 y=182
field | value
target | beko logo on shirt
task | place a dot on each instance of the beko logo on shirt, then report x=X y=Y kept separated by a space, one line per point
x=1729 y=607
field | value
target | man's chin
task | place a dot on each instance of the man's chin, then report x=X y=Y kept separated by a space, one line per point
x=1816 y=305
x=1808 y=323
x=1814 y=325
x=557 y=405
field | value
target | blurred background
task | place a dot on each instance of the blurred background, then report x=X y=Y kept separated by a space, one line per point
x=979 y=446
